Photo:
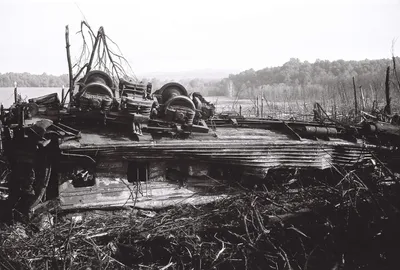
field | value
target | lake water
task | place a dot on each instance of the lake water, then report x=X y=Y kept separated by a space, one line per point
x=7 y=93
x=7 y=97
x=222 y=103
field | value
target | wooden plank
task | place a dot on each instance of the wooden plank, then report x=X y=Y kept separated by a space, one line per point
x=117 y=192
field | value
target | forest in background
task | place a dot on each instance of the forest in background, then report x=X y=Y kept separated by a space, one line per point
x=32 y=80
x=297 y=80
x=303 y=80
x=294 y=80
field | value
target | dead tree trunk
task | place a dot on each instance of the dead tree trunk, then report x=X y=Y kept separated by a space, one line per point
x=388 y=109
x=395 y=71
x=362 y=98
x=257 y=109
x=15 y=93
x=96 y=42
x=355 y=98
x=71 y=84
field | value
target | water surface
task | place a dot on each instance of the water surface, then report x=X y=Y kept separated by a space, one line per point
x=7 y=93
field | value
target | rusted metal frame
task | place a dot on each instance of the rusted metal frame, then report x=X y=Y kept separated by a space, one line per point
x=294 y=134
x=68 y=128
x=263 y=123
x=290 y=150
x=201 y=146
x=348 y=153
x=67 y=134
x=267 y=162
x=307 y=155
x=78 y=156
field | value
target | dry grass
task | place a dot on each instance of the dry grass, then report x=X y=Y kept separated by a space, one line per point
x=291 y=103
x=297 y=220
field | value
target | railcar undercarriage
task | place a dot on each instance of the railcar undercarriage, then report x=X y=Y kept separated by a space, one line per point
x=117 y=143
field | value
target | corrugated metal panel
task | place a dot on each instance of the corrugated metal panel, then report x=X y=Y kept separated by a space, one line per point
x=251 y=149
x=244 y=147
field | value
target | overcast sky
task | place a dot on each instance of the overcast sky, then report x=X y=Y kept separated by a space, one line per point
x=185 y=35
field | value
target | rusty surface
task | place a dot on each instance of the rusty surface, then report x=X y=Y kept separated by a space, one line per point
x=246 y=147
x=251 y=150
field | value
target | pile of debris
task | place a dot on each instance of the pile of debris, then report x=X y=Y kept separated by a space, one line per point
x=308 y=220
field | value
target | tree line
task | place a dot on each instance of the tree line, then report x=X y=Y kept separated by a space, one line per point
x=32 y=80
x=296 y=80
x=295 y=72
x=321 y=74
x=293 y=80
x=328 y=82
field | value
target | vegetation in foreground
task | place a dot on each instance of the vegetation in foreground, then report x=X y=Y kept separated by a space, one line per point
x=331 y=219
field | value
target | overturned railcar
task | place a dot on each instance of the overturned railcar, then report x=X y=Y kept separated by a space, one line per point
x=115 y=153
x=112 y=141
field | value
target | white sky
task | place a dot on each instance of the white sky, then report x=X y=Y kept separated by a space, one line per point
x=183 y=35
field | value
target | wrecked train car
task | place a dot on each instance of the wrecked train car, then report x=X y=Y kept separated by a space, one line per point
x=111 y=141
x=166 y=160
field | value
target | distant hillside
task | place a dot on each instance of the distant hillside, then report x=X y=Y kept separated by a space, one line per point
x=32 y=80
x=295 y=72
x=305 y=76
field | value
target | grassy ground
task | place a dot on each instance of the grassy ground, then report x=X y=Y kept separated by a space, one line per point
x=271 y=109
x=298 y=109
